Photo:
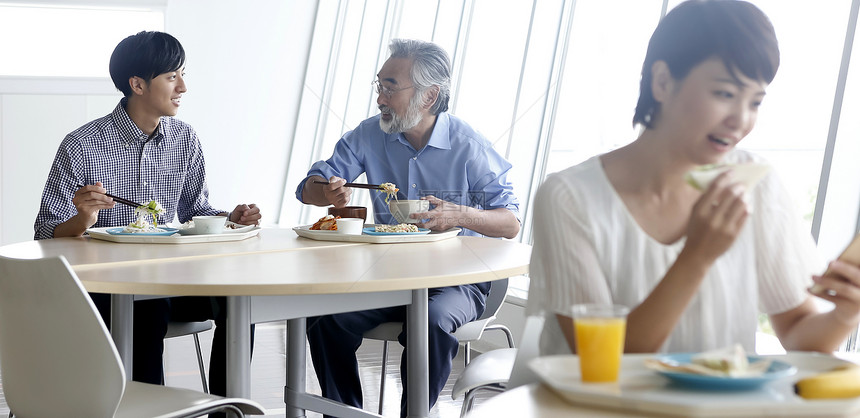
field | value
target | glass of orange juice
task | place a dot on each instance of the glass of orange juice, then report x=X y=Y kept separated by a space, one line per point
x=599 y=331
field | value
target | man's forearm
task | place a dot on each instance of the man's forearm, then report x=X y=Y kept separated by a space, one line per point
x=71 y=228
x=493 y=223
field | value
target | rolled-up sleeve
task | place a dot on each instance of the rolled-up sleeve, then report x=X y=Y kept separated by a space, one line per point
x=56 y=205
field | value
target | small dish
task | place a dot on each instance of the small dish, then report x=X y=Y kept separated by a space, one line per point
x=350 y=226
x=777 y=370
x=209 y=224
x=372 y=231
x=119 y=231
x=227 y=230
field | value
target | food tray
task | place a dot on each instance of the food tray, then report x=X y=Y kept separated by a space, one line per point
x=305 y=231
x=643 y=390
x=101 y=233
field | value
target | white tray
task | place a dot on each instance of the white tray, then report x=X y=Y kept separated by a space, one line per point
x=99 y=233
x=305 y=231
x=644 y=391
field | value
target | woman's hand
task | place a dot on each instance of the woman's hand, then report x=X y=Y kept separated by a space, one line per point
x=717 y=218
x=840 y=285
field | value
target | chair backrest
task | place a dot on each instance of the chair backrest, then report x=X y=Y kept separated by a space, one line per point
x=528 y=349
x=56 y=356
x=496 y=297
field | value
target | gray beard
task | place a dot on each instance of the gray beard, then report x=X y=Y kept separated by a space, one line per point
x=399 y=124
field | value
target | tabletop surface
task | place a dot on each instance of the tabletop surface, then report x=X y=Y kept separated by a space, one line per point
x=536 y=400
x=642 y=393
x=276 y=262
x=85 y=250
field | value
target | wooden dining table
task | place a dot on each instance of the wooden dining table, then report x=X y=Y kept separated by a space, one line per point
x=277 y=275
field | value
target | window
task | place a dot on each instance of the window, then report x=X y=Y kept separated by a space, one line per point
x=552 y=83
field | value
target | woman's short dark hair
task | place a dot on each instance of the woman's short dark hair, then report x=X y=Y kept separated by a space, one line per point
x=734 y=31
x=145 y=55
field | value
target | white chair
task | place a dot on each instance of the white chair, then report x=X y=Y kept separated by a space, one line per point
x=501 y=369
x=471 y=331
x=57 y=357
x=194 y=328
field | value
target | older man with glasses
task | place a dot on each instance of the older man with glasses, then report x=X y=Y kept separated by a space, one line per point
x=430 y=154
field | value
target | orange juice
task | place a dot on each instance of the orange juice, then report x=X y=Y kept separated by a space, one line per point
x=599 y=345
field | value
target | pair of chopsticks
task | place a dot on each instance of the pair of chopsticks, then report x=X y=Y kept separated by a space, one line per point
x=355 y=185
x=120 y=199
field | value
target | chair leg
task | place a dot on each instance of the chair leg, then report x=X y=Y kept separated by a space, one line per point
x=468 y=400
x=382 y=377
x=470 y=395
x=467 y=355
x=200 y=363
x=508 y=335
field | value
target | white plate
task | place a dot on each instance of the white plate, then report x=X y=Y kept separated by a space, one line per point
x=121 y=231
x=372 y=231
x=227 y=230
x=102 y=234
x=777 y=370
x=306 y=232
x=643 y=390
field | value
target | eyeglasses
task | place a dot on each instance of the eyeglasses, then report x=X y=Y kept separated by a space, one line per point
x=388 y=92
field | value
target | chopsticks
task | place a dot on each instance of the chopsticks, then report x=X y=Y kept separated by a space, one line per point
x=355 y=185
x=120 y=200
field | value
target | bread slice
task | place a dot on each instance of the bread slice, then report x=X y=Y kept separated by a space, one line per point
x=749 y=174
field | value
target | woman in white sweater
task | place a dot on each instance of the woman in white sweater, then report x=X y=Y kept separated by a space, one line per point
x=694 y=267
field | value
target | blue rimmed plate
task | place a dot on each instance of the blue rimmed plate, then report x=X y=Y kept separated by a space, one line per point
x=777 y=370
x=165 y=231
x=372 y=231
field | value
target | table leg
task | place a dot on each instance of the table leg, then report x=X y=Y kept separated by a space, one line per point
x=121 y=329
x=296 y=364
x=239 y=346
x=417 y=358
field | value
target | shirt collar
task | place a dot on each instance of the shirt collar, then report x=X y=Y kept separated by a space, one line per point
x=439 y=138
x=129 y=130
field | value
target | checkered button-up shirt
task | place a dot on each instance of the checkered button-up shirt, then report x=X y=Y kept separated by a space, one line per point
x=168 y=168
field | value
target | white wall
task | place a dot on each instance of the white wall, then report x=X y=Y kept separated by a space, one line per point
x=245 y=69
x=34 y=118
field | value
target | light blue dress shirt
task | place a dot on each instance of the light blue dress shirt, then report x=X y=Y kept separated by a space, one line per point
x=457 y=165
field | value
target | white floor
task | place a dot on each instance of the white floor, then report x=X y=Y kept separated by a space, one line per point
x=268 y=373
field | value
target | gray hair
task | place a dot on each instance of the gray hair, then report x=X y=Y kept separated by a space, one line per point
x=431 y=67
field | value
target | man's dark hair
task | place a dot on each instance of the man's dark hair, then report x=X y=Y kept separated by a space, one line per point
x=145 y=55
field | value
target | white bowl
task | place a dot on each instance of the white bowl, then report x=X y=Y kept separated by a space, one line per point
x=209 y=224
x=350 y=226
x=401 y=209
